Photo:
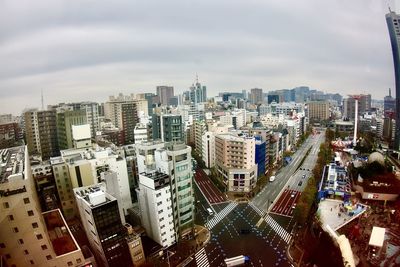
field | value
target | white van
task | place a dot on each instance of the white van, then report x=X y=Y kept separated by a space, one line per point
x=272 y=178
x=210 y=212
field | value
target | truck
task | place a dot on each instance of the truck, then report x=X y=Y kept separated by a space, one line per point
x=272 y=178
x=238 y=260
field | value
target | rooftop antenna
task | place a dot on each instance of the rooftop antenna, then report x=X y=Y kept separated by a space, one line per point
x=42 y=100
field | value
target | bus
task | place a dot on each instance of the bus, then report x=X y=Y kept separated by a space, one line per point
x=238 y=260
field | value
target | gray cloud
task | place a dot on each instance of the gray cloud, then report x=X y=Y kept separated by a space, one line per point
x=81 y=50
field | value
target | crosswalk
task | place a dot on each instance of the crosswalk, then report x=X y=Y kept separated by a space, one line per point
x=271 y=222
x=257 y=209
x=201 y=258
x=278 y=229
x=222 y=214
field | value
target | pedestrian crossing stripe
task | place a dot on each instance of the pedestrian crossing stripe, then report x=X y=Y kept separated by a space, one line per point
x=271 y=222
x=201 y=258
x=221 y=215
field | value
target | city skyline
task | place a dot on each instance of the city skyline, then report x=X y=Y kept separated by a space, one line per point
x=86 y=52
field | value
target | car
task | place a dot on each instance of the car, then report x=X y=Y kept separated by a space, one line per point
x=304 y=176
x=292 y=195
x=210 y=212
x=300 y=183
x=294 y=206
x=245 y=231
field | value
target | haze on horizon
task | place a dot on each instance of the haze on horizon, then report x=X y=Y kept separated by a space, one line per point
x=88 y=50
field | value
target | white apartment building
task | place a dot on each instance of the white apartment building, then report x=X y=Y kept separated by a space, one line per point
x=28 y=236
x=154 y=194
x=237 y=118
x=208 y=144
x=173 y=159
x=235 y=161
x=140 y=133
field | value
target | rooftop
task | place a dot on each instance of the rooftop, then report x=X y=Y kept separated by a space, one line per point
x=94 y=195
x=12 y=162
x=60 y=236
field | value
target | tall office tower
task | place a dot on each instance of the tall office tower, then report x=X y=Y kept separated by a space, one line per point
x=92 y=116
x=123 y=113
x=101 y=220
x=165 y=93
x=244 y=94
x=65 y=120
x=152 y=100
x=235 y=160
x=41 y=133
x=349 y=104
x=256 y=96
x=318 y=110
x=173 y=159
x=389 y=103
x=167 y=127
x=393 y=22
x=198 y=93
x=28 y=236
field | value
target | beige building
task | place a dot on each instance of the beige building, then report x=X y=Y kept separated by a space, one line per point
x=318 y=110
x=28 y=236
x=235 y=160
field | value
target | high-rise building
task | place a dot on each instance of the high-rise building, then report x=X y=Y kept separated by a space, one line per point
x=389 y=103
x=175 y=161
x=235 y=160
x=123 y=113
x=349 y=105
x=256 y=96
x=318 y=110
x=10 y=134
x=198 y=93
x=41 y=133
x=92 y=116
x=165 y=93
x=393 y=23
x=101 y=220
x=28 y=236
x=65 y=120
x=167 y=127
x=200 y=127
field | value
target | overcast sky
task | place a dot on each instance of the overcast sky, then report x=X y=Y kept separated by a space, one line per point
x=88 y=50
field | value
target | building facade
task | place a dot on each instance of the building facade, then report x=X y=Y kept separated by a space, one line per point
x=165 y=93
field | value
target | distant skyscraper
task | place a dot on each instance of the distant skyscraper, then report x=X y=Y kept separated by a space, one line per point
x=393 y=23
x=256 y=96
x=198 y=93
x=165 y=93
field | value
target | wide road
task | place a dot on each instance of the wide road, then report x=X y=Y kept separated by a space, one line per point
x=289 y=177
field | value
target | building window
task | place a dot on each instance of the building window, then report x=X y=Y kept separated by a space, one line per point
x=2 y=245
x=78 y=260
x=20 y=241
x=15 y=229
x=6 y=205
x=35 y=225
x=26 y=200
x=10 y=217
x=39 y=236
x=32 y=262
x=26 y=252
x=70 y=263
x=44 y=247
x=48 y=257
x=30 y=212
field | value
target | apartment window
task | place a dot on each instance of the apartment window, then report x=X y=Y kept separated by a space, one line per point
x=78 y=260
x=39 y=236
x=20 y=241
x=35 y=225
x=70 y=263
x=48 y=257
x=26 y=252
x=30 y=212
x=2 y=245
x=44 y=247
x=15 y=229
x=6 y=205
x=26 y=200
x=10 y=217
